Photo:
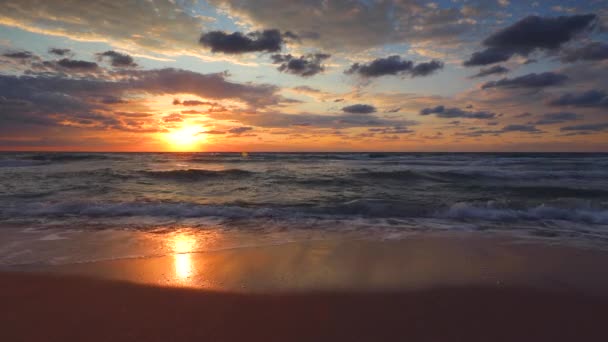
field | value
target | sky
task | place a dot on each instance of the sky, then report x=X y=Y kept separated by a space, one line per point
x=304 y=75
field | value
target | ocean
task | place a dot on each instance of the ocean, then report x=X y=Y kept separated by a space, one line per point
x=77 y=207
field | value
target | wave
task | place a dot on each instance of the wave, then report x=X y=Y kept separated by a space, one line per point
x=539 y=191
x=479 y=174
x=68 y=157
x=367 y=208
x=400 y=175
x=20 y=163
x=192 y=175
x=490 y=212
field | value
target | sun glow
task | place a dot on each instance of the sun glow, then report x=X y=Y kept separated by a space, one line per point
x=186 y=138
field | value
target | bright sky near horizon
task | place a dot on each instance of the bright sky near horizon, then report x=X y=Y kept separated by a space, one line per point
x=291 y=75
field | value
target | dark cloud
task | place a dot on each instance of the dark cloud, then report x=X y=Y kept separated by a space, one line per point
x=488 y=56
x=443 y=112
x=590 y=98
x=108 y=99
x=60 y=52
x=427 y=68
x=392 y=130
x=77 y=64
x=305 y=66
x=119 y=60
x=587 y=127
x=190 y=103
x=594 y=51
x=239 y=130
x=520 y=128
x=497 y=69
x=291 y=35
x=476 y=132
x=213 y=131
x=523 y=115
x=530 y=34
x=237 y=42
x=359 y=109
x=394 y=65
x=19 y=55
x=545 y=79
x=559 y=117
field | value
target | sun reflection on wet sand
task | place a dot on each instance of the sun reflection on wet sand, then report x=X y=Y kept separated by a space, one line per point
x=183 y=245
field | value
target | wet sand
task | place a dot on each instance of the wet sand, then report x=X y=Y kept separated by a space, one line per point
x=424 y=289
x=65 y=308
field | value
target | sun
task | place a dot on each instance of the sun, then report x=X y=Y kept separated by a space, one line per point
x=185 y=139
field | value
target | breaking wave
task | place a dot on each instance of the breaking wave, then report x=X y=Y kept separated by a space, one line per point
x=191 y=175
x=360 y=208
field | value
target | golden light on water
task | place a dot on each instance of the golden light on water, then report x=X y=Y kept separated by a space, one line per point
x=183 y=266
x=182 y=246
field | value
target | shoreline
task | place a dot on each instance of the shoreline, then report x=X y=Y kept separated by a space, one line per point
x=423 y=289
x=413 y=263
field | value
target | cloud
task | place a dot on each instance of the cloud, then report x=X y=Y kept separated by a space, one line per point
x=559 y=117
x=488 y=56
x=18 y=55
x=213 y=131
x=507 y=129
x=239 y=130
x=587 y=127
x=305 y=66
x=594 y=51
x=359 y=109
x=237 y=42
x=534 y=80
x=394 y=65
x=590 y=98
x=59 y=100
x=353 y=25
x=520 y=128
x=529 y=34
x=162 y=26
x=214 y=86
x=497 y=69
x=175 y=117
x=392 y=130
x=307 y=90
x=273 y=119
x=60 y=52
x=119 y=60
x=443 y=112
x=193 y=103
x=77 y=64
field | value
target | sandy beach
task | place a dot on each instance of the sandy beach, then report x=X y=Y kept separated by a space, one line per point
x=426 y=289
x=51 y=308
